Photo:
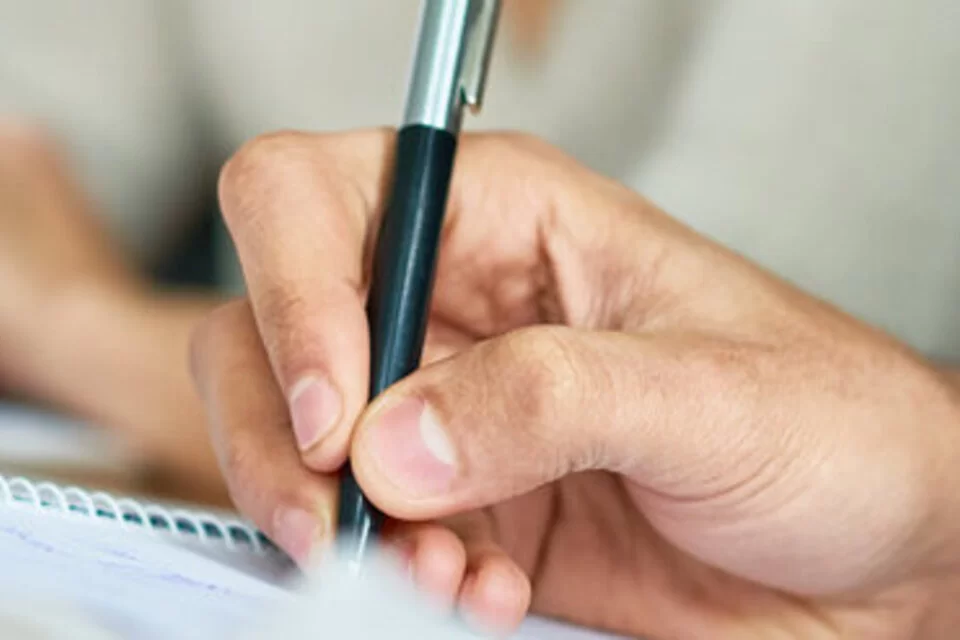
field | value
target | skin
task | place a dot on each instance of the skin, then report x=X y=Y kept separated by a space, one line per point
x=83 y=331
x=63 y=280
x=619 y=423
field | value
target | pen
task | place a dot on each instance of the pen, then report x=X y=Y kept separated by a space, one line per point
x=449 y=75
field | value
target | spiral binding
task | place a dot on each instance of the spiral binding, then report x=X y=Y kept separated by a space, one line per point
x=128 y=513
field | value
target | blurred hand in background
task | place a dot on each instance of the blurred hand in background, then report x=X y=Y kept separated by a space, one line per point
x=52 y=247
x=82 y=330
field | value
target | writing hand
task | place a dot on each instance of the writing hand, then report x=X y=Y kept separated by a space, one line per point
x=654 y=435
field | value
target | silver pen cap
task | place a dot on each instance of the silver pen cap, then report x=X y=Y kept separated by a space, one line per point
x=450 y=64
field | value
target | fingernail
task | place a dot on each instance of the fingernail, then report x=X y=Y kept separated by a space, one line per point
x=315 y=408
x=413 y=449
x=298 y=532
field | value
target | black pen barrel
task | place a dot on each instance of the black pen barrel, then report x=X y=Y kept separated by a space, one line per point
x=401 y=286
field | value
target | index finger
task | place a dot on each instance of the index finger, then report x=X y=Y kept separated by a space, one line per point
x=298 y=208
x=301 y=208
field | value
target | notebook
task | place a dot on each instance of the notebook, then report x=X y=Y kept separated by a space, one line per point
x=81 y=564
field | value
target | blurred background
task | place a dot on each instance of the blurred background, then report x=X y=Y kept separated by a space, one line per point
x=818 y=138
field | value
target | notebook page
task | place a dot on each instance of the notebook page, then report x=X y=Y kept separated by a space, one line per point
x=146 y=586
x=136 y=584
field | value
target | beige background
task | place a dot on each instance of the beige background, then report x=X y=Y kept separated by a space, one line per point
x=820 y=138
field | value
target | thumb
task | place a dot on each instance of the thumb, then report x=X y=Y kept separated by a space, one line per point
x=506 y=416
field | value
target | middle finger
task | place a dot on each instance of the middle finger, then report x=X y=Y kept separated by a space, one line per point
x=250 y=430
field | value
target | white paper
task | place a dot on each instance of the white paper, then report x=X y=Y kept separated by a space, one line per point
x=135 y=584
x=104 y=580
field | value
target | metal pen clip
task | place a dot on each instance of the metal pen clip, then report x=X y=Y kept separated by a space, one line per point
x=482 y=30
x=453 y=52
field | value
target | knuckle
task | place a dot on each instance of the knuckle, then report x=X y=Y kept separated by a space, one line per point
x=300 y=328
x=286 y=169
x=301 y=335
x=540 y=372
x=283 y=307
x=255 y=170
x=256 y=154
x=545 y=369
x=291 y=325
x=255 y=488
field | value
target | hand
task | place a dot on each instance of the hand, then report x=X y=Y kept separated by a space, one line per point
x=81 y=331
x=50 y=246
x=657 y=436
